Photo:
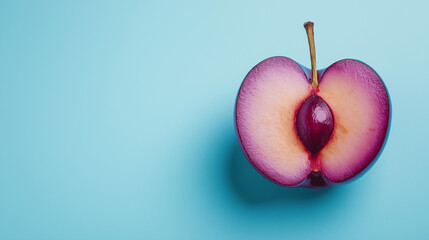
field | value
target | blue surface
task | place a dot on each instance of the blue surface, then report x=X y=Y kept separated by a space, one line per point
x=117 y=120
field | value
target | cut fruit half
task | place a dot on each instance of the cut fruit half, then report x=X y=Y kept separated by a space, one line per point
x=279 y=114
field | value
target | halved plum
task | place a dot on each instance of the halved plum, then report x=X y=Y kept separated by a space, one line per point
x=296 y=134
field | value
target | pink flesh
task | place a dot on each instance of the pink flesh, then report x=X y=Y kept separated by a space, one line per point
x=267 y=105
x=265 y=114
x=360 y=105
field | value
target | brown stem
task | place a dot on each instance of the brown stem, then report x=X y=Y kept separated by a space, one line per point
x=310 y=34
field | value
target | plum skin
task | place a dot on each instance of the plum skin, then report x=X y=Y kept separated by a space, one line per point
x=316 y=179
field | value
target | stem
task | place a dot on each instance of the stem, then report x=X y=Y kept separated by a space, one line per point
x=310 y=34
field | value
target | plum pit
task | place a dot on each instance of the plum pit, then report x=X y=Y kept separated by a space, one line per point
x=314 y=123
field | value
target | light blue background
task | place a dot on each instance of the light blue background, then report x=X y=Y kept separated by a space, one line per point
x=117 y=120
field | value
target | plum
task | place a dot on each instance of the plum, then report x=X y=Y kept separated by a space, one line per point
x=302 y=127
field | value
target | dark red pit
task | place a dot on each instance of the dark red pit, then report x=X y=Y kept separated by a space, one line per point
x=314 y=123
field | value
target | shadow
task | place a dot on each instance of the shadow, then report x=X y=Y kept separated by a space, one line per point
x=251 y=187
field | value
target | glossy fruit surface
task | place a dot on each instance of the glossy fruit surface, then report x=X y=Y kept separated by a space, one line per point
x=314 y=123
